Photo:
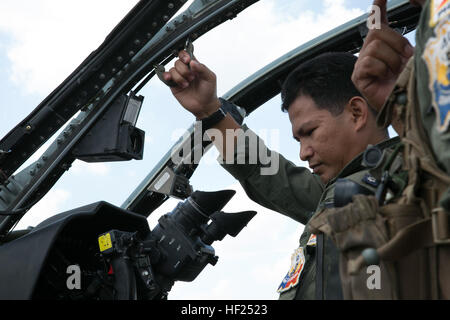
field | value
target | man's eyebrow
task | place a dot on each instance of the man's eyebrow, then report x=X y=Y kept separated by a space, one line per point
x=303 y=129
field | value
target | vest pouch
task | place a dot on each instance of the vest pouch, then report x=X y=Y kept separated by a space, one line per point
x=358 y=231
x=410 y=257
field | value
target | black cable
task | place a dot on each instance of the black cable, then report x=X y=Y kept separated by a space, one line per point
x=13 y=213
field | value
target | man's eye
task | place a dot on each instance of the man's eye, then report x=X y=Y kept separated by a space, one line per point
x=309 y=132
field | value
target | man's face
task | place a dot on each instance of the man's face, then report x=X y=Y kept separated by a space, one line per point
x=325 y=139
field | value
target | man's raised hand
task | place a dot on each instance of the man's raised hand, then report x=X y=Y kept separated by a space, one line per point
x=381 y=60
x=196 y=88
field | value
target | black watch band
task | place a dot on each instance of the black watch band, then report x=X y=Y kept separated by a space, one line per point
x=213 y=119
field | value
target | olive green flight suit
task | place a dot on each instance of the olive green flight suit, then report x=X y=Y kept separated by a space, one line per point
x=432 y=65
x=297 y=193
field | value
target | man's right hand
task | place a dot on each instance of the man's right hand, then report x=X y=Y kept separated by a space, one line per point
x=196 y=88
x=383 y=57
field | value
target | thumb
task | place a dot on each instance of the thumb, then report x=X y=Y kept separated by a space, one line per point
x=382 y=5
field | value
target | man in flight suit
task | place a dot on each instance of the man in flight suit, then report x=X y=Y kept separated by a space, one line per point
x=333 y=124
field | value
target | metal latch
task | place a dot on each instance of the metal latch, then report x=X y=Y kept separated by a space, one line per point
x=159 y=69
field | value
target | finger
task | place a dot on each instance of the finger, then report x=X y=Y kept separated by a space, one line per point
x=392 y=38
x=184 y=57
x=382 y=4
x=383 y=52
x=369 y=68
x=184 y=70
x=178 y=78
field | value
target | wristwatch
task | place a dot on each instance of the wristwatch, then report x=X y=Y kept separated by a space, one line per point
x=213 y=119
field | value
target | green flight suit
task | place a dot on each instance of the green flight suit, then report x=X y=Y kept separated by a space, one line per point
x=432 y=65
x=297 y=193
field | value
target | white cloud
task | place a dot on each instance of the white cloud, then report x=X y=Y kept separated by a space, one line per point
x=261 y=34
x=50 y=38
x=98 y=168
x=50 y=205
x=47 y=43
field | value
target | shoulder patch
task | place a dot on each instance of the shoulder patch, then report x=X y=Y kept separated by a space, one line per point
x=293 y=276
x=437 y=59
x=439 y=9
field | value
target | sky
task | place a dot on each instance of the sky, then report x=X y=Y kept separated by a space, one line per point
x=43 y=41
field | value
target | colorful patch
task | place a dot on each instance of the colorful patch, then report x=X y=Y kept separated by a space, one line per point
x=293 y=276
x=437 y=59
x=439 y=10
x=312 y=240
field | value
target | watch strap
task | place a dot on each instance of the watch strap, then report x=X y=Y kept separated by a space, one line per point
x=213 y=119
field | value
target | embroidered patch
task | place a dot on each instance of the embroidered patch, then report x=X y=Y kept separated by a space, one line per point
x=312 y=240
x=293 y=276
x=437 y=59
x=439 y=10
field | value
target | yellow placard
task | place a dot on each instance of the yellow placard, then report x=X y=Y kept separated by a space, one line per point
x=104 y=242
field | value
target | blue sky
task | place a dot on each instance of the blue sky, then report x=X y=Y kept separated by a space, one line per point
x=42 y=41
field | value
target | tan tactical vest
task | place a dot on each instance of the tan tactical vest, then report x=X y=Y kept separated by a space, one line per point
x=396 y=245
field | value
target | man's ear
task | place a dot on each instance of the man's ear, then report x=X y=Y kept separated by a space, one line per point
x=359 y=112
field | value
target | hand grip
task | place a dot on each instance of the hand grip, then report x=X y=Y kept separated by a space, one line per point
x=159 y=69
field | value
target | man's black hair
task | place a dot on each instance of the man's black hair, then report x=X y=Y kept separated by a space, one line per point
x=325 y=78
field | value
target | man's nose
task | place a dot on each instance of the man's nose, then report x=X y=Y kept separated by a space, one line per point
x=306 y=152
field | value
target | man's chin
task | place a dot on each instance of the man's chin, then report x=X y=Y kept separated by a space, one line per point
x=324 y=178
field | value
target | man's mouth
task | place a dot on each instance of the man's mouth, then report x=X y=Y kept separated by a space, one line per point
x=315 y=167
